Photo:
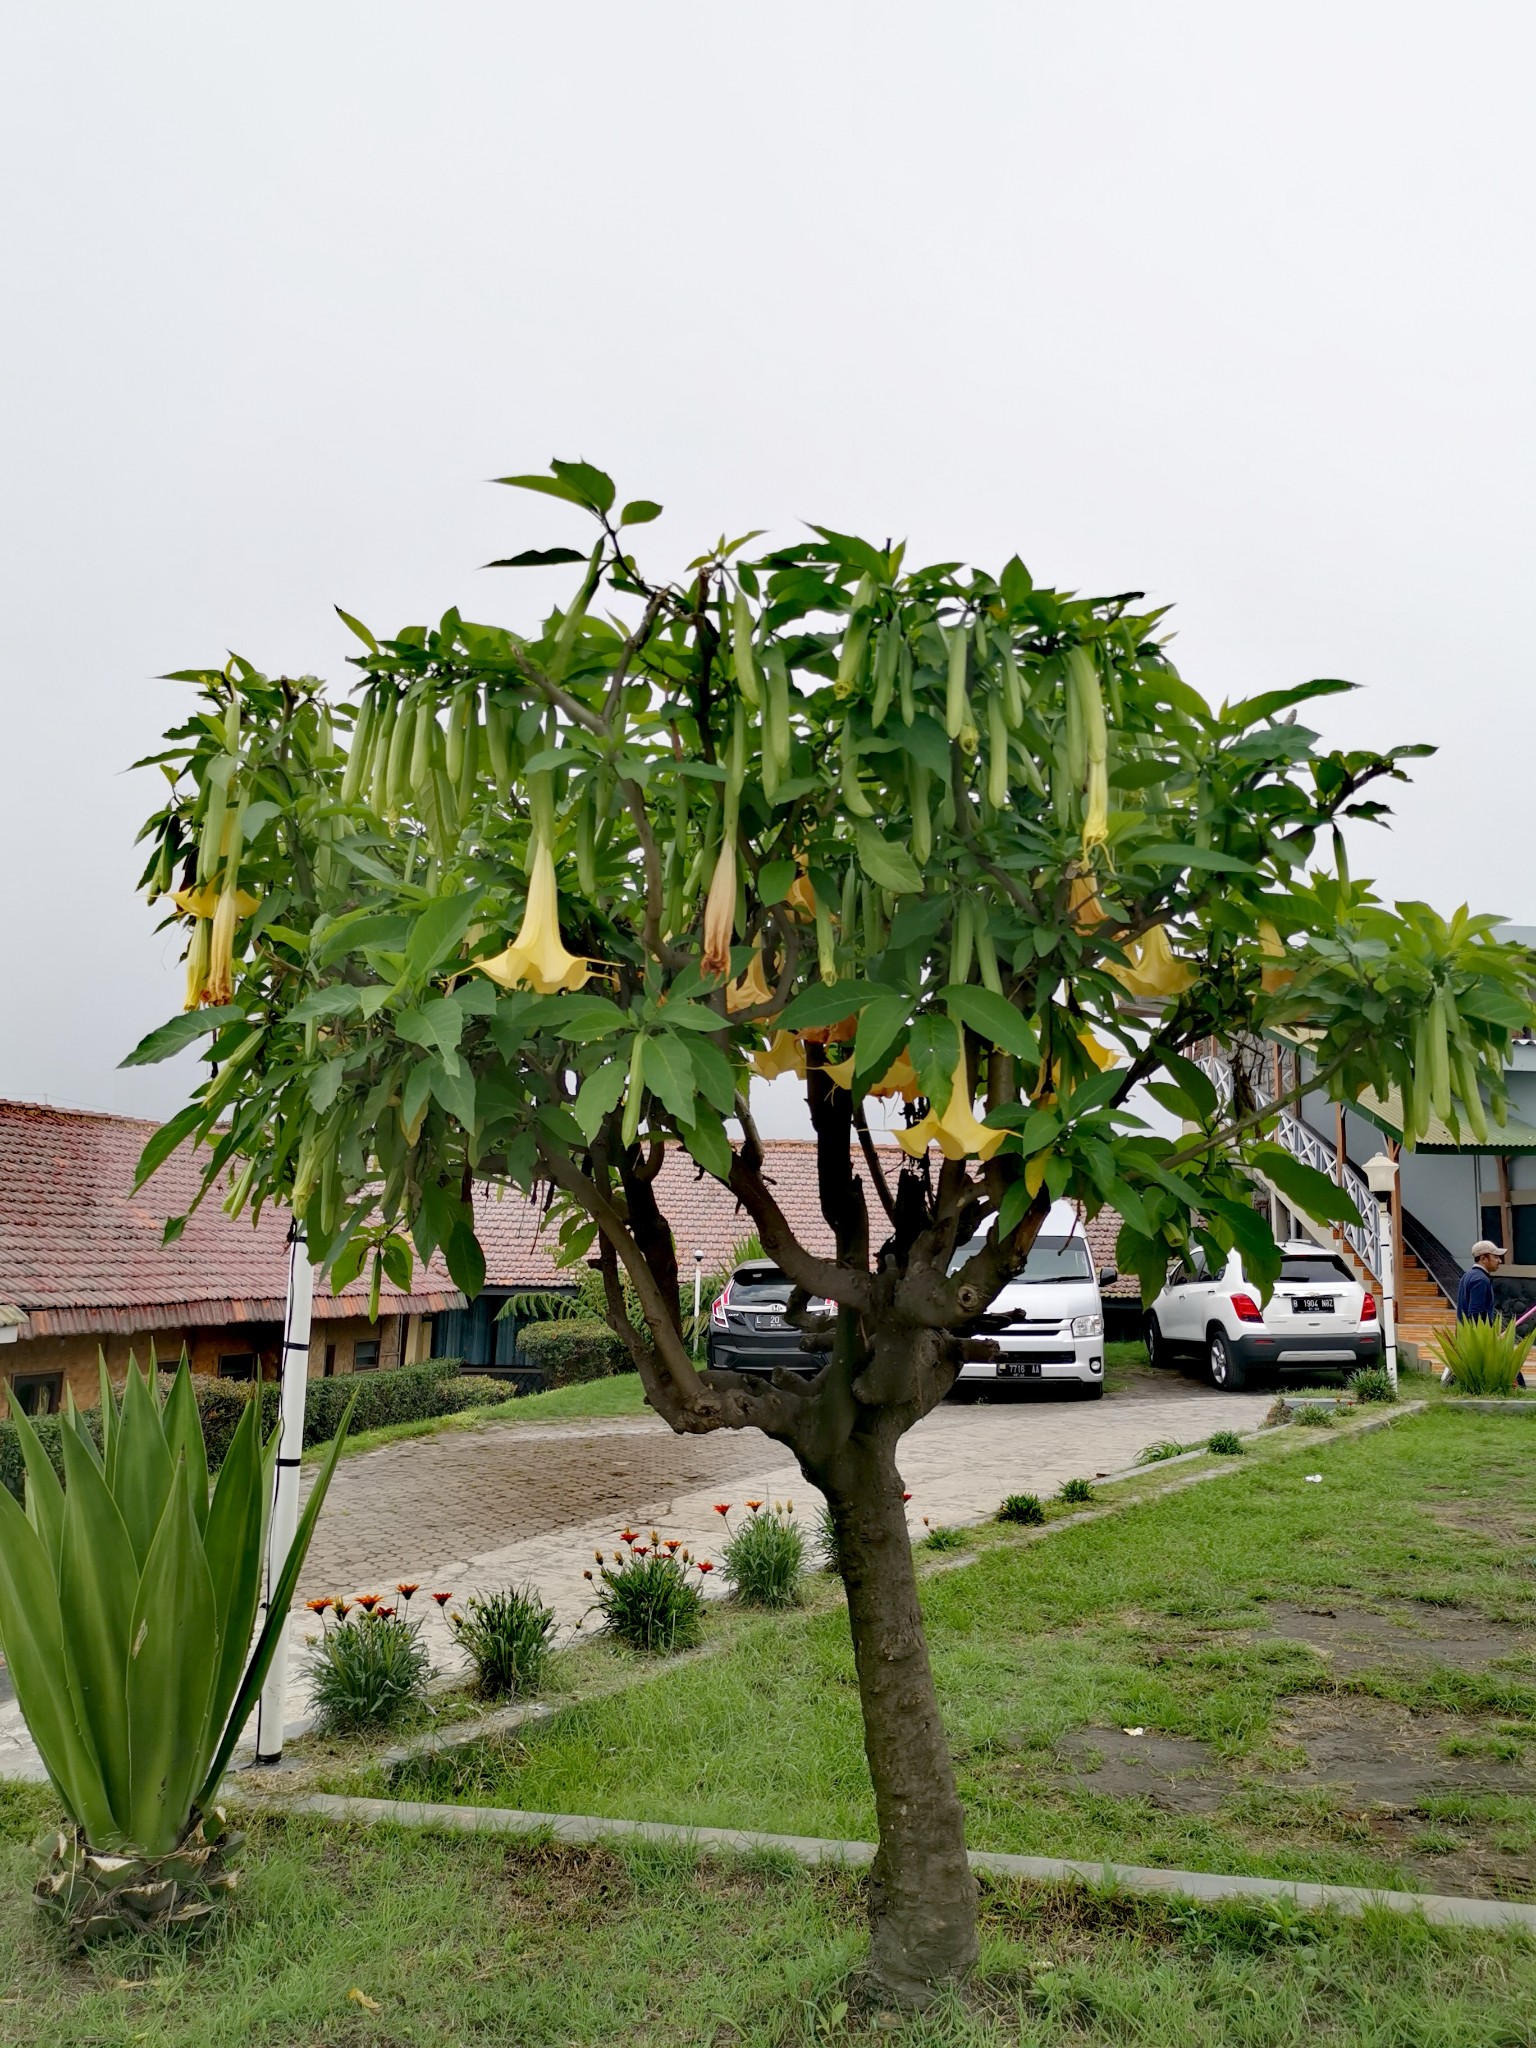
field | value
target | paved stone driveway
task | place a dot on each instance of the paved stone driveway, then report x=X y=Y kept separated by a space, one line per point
x=512 y=1502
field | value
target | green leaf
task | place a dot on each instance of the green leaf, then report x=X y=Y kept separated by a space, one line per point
x=98 y=1584
x=1493 y=1005
x=398 y=1263
x=829 y=1003
x=640 y=512
x=172 y=1656
x=599 y=1096
x=934 y=1049
x=232 y=1542
x=1016 y=584
x=537 y=558
x=466 y=1261
x=580 y=1018
x=348 y=1263
x=1171 y=853
x=993 y=1018
x=340 y=999
x=414 y=1097
x=668 y=1072
x=928 y=744
x=359 y=930
x=1304 y=1187
x=437 y=1025
x=551 y=487
x=455 y=1091
x=438 y=931
x=775 y=879
x=685 y=1016
x=882 y=1025
x=595 y=486
x=708 y=1144
x=1195 y=1083
x=325 y=1082
x=1249 y=710
x=44 y=1494
x=887 y=865
x=713 y=1072
x=1013 y=1208
x=167 y=1040
x=184 y=1436
x=356 y=626
x=141 y=1478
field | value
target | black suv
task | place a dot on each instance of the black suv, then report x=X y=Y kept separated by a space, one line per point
x=748 y=1329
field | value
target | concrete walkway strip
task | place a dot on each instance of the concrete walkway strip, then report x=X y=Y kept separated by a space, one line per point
x=1440 y=1910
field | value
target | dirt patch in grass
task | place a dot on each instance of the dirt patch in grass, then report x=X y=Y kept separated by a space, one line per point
x=546 y=1882
x=1356 y=1639
x=1173 y=1771
x=1386 y=1755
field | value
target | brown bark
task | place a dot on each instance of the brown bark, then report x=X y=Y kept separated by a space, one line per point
x=922 y=1894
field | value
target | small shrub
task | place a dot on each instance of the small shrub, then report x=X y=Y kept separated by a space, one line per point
x=1076 y=1490
x=646 y=1596
x=944 y=1539
x=1313 y=1415
x=371 y=1666
x=1373 y=1383
x=572 y=1351
x=1025 y=1508
x=1483 y=1358
x=507 y=1636
x=1154 y=1454
x=1226 y=1443
x=826 y=1540
x=764 y=1560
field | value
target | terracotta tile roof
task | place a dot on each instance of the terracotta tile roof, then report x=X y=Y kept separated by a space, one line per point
x=704 y=1217
x=80 y=1252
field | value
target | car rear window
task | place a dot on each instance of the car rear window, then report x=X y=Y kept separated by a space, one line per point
x=1050 y=1258
x=1323 y=1271
x=759 y=1284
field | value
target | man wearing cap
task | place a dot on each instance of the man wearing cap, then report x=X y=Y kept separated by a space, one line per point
x=1474 y=1297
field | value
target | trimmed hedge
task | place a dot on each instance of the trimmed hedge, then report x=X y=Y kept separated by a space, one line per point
x=403 y=1393
x=573 y=1350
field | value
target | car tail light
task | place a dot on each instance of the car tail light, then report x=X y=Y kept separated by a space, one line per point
x=1368 y=1308
x=1246 y=1309
x=719 y=1305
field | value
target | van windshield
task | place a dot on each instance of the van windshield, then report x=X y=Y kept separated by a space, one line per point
x=1050 y=1258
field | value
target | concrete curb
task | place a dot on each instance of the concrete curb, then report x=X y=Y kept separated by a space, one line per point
x=1437 y=1908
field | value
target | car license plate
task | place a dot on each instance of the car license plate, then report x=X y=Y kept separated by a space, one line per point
x=1312 y=1304
x=771 y=1323
x=1018 y=1368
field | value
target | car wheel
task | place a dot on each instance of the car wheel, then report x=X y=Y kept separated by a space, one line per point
x=1227 y=1372
x=1158 y=1354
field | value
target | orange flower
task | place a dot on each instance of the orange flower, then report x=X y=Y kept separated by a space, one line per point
x=722 y=1507
x=906 y=1496
x=641 y=1549
x=705 y=1565
x=754 y=1505
x=674 y=1544
x=442 y=1599
x=628 y=1535
x=406 y=1588
x=317 y=1606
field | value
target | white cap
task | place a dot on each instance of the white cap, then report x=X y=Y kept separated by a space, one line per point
x=1485 y=1248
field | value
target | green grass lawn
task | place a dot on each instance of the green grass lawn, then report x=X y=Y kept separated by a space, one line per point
x=1179 y=1617
x=620 y=1395
x=463 y=1940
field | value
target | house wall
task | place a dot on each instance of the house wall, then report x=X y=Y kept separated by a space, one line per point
x=402 y=1340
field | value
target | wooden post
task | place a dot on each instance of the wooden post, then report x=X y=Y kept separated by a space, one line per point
x=1395 y=1151
x=1506 y=1212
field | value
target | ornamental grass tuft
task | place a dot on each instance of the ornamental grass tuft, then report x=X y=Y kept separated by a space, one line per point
x=1372 y=1383
x=650 y=1595
x=507 y=1636
x=764 y=1558
x=1025 y=1508
x=370 y=1667
x=1226 y=1443
x=1076 y=1490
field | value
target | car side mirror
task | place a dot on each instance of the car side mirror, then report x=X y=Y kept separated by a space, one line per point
x=1107 y=1276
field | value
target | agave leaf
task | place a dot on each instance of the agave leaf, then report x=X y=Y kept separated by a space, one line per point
x=32 y=1633
x=277 y=1612
x=108 y=1421
x=233 y=1544
x=75 y=1420
x=184 y=1436
x=98 y=1583
x=172 y=1651
x=45 y=1496
x=144 y=1469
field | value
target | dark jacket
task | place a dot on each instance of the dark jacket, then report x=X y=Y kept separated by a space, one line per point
x=1474 y=1297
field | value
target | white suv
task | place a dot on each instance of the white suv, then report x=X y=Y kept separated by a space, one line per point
x=1048 y=1323
x=1319 y=1317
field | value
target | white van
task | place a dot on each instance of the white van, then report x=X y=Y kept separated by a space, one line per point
x=1049 y=1322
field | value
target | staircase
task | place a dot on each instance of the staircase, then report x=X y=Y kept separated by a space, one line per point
x=1421 y=1308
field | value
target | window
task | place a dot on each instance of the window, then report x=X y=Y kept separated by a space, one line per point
x=37 y=1393
x=365 y=1356
x=238 y=1365
x=1325 y=1269
x=328 y=1363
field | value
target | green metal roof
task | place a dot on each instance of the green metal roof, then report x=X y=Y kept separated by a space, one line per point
x=1386 y=1112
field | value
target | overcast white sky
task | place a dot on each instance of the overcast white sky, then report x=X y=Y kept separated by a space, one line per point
x=1233 y=304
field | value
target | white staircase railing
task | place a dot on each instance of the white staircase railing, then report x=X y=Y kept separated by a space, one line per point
x=1303 y=1143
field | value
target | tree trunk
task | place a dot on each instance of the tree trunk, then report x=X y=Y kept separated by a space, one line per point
x=923 y=1896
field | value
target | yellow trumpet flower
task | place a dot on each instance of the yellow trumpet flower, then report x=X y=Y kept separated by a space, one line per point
x=784 y=1054
x=1151 y=969
x=957 y=1133
x=1273 y=979
x=1096 y=815
x=900 y=1078
x=720 y=912
x=197 y=965
x=749 y=989
x=1083 y=905
x=204 y=902
x=537 y=958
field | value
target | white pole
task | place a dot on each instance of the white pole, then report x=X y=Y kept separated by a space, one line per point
x=285 y=1501
x=1388 y=1290
x=698 y=1267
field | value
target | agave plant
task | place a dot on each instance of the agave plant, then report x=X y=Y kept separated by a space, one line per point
x=128 y=1604
x=1483 y=1357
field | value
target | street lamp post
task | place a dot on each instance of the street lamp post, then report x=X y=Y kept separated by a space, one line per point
x=1381 y=1173
x=294 y=1381
x=698 y=1270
